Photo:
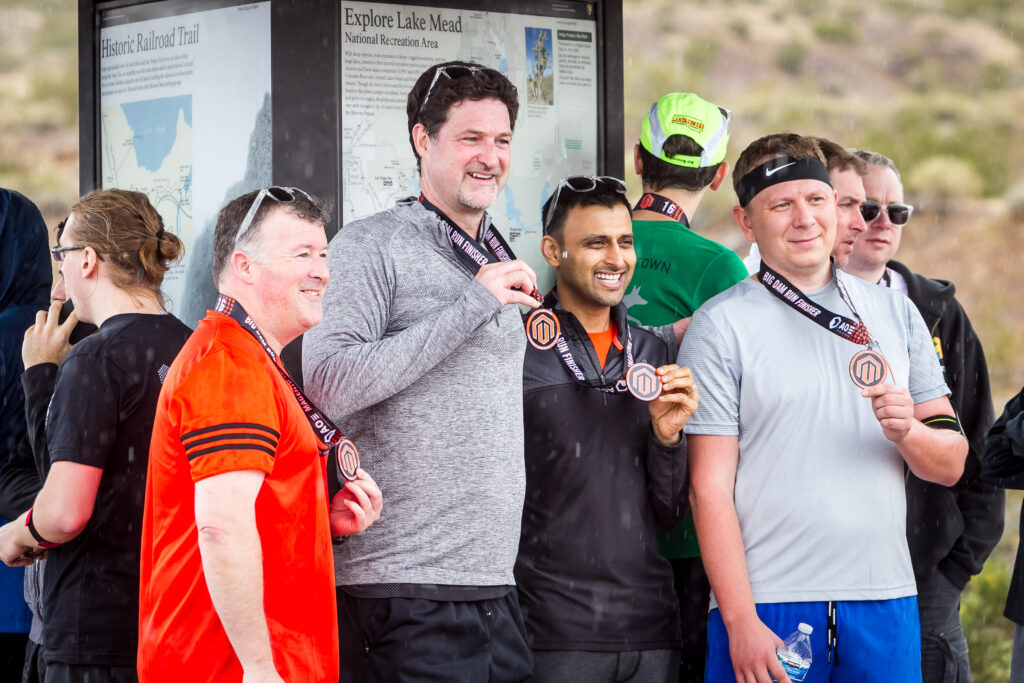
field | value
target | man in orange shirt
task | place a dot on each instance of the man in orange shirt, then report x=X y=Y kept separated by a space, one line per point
x=237 y=463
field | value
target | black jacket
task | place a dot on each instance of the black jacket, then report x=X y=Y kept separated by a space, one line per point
x=22 y=476
x=597 y=483
x=1002 y=463
x=954 y=529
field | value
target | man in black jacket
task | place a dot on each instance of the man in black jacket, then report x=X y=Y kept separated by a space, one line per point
x=950 y=531
x=1002 y=464
x=603 y=467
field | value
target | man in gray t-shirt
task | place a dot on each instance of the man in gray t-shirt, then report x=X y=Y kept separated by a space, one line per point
x=796 y=471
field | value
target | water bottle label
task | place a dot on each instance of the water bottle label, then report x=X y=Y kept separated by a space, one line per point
x=794 y=665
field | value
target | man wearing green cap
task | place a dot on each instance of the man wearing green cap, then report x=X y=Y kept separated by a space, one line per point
x=681 y=154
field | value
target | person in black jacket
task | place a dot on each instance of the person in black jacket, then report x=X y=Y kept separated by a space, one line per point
x=1002 y=464
x=602 y=467
x=25 y=279
x=22 y=476
x=951 y=531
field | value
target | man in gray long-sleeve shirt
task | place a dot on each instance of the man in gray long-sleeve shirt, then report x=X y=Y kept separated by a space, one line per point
x=420 y=357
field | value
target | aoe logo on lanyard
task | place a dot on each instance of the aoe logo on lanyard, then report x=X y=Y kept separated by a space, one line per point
x=868 y=367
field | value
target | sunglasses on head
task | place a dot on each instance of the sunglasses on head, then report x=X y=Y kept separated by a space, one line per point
x=278 y=194
x=581 y=183
x=452 y=72
x=899 y=214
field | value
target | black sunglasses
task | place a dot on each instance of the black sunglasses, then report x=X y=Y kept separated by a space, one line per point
x=899 y=214
x=581 y=183
x=454 y=72
x=278 y=194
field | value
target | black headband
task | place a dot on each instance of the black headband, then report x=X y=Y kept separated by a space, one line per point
x=779 y=170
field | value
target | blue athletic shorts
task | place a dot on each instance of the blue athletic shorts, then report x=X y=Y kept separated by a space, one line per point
x=877 y=641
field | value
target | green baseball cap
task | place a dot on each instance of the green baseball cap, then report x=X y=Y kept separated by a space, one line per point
x=683 y=113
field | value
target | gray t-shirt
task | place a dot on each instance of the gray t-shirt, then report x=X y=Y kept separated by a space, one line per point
x=819 y=489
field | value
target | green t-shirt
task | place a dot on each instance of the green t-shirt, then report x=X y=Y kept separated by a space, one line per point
x=677 y=270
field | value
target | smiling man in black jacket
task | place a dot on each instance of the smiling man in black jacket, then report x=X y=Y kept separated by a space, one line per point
x=603 y=468
x=950 y=531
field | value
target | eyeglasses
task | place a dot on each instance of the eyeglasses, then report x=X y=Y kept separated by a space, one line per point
x=278 y=194
x=58 y=252
x=453 y=72
x=581 y=183
x=899 y=214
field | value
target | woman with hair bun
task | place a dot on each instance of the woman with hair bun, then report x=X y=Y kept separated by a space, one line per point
x=87 y=519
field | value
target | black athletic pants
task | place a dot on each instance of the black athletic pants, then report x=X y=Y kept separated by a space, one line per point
x=694 y=594
x=393 y=640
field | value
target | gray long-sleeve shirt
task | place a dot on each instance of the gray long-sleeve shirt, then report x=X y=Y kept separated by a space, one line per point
x=422 y=367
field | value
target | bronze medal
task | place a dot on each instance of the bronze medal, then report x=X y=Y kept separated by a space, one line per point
x=867 y=368
x=643 y=382
x=542 y=329
x=348 y=459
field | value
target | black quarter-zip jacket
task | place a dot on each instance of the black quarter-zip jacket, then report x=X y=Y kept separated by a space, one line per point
x=597 y=484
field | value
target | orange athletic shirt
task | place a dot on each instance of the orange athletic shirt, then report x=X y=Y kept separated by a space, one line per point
x=224 y=407
x=602 y=342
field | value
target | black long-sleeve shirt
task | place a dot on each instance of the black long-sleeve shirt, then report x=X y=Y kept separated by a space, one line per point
x=597 y=484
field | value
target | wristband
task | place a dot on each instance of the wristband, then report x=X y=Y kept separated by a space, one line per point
x=40 y=541
x=949 y=422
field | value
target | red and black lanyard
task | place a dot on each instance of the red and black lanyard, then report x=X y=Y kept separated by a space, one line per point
x=468 y=249
x=663 y=205
x=326 y=431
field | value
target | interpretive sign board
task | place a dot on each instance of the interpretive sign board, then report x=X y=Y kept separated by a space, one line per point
x=197 y=101
x=185 y=117
x=551 y=57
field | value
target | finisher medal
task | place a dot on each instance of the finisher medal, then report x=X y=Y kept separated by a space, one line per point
x=348 y=459
x=643 y=381
x=867 y=368
x=542 y=328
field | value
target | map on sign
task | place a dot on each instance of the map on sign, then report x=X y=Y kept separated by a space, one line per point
x=147 y=147
x=187 y=122
x=552 y=61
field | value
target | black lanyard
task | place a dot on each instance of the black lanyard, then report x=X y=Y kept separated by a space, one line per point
x=840 y=325
x=561 y=348
x=326 y=431
x=468 y=250
x=663 y=205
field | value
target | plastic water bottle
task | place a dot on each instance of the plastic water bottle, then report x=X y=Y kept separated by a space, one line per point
x=796 y=656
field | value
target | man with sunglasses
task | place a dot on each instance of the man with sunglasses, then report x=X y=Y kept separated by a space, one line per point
x=815 y=388
x=236 y=573
x=604 y=469
x=420 y=356
x=950 y=531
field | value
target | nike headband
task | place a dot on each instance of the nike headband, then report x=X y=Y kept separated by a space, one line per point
x=779 y=170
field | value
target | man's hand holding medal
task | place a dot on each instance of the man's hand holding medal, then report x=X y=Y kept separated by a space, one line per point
x=510 y=282
x=356 y=506
x=893 y=408
x=677 y=403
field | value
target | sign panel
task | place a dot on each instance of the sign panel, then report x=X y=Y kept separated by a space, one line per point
x=550 y=54
x=185 y=117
